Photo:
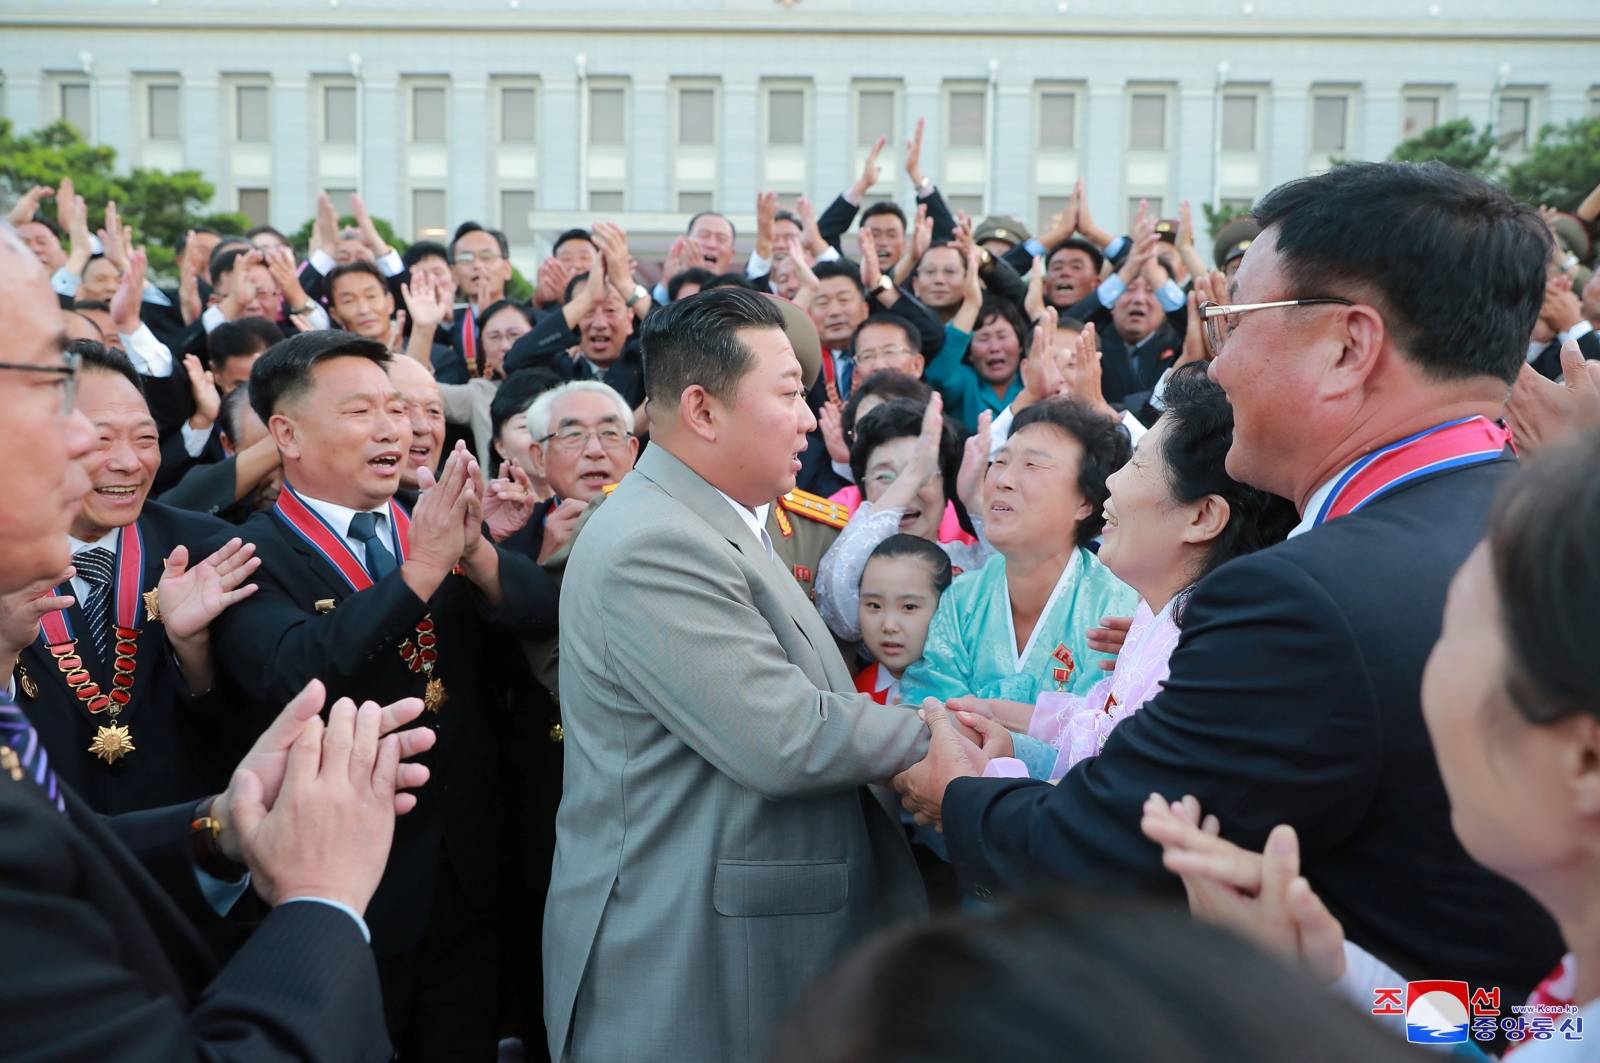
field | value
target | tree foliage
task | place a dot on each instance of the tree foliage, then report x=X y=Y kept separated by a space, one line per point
x=1562 y=167
x=1218 y=217
x=1455 y=143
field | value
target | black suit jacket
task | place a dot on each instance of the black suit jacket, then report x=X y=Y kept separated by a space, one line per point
x=274 y=642
x=210 y=489
x=1294 y=698
x=180 y=751
x=106 y=962
x=1548 y=364
x=836 y=220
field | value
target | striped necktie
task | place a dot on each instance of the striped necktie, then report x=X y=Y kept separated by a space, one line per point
x=22 y=742
x=96 y=566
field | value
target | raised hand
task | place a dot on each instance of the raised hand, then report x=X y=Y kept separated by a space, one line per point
x=680 y=257
x=560 y=526
x=243 y=291
x=1145 y=240
x=1041 y=372
x=814 y=242
x=437 y=523
x=72 y=214
x=923 y=464
x=1260 y=895
x=613 y=241
x=830 y=419
x=914 y=156
x=508 y=502
x=869 y=169
x=1195 y=347
x=1033 y=302
x=766 y=213
x=1081 y=372
x=115 y=239
x=975 y=467
x=473 y=543
x=1540 y=412
x=426 y=302
x=1085 y=223
x=280 y=263
x=128 y=297
x=552 y=284
x=369 y=232
x=325 y=229
x=27 y=205
x=21 y=611
x=191 y=598
x=203 y=389
x=962 y=236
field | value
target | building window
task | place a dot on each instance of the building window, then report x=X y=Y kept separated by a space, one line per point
x=250 y=117
x=606 y=202
x=1594 y=103
x=76 y=105
x=1058 y=121
x=427 y=212
x=694 y=202
x=428 y=114
x=965 y=121
x=786 y=118
x=1147 y=122
x=1329 y=118
x=516 y=217
x=697 y=117
x=256 y=204
x=1418 y=114
x=608 y=117
x=162 y=120
x=1152 y=204
x=518 y=115
x=874 y=116
x=1048 y=207
x=1511 y=124
x=972 y=205
x=341 y=200
x=339 y=114
x=1238 y=123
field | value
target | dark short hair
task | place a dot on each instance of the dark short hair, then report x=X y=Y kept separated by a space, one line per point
x=98 y=358
x=908 y=330
x=732 y=279
x=1547 y=573
x=516 y=393
x=887 y=385
x=1195 y=451
x=791 y=217
x=578 y=280
x=1078 y=243
x=225 y=256
x=502 y=304
x=901 y=544
x=570 y=235
x=424 y=249
x=228 y=415
x=1006 y=311
x=733 y=230
x=838 y=268
x=881 y=208
x=91 y=304
x=473 y=227
x=284 y=372
x=697 y=275
x=235 y=339
x=1030 y=981
x=696 y=341
x=256 y=230
x=1105 y=450
x=359 y=266
x=897 y=419
x=40 y=219
x=182 y=242
x=1455 y=265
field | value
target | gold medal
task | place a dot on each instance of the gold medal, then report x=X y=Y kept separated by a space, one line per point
x=112 y=742
x=433 y=695
x=152 y=602
x=28 y=685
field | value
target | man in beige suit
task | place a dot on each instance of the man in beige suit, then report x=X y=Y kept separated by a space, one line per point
x=717 y=846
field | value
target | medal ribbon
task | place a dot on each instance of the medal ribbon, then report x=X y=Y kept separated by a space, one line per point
x=1452 y=445
x=321 y=537
x=469 y=339
x=55 y=631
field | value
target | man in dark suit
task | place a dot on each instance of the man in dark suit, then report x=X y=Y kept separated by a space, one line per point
x=1294 y=690
x=885 y=219
x=107 y=962
x=1560 y=320
x=356 y=592
x=130 y=723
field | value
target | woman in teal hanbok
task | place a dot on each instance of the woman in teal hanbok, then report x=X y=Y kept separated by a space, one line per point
x=1017 y=627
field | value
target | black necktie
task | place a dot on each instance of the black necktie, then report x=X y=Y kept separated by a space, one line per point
x=96 y=566
x=364 y=530
x=21 y=741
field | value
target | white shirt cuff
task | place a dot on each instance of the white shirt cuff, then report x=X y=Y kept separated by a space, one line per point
x=390 y=265
x=212 y=318
x=194 y=439
x=1000 y=431
x=1170 y=296
x=321 y=261
x=1134 y=426
x=660 y=294
x=843 y=471
x=64 y=282
x=1160 y=390
x=345 y=908
x=149 y=355
x=850 y=197
x=757 y=266
x=829 y=254
x=316 y=317
x=221 y=895
x=1110 y=291
x=1581 y=329
x=1114 y=248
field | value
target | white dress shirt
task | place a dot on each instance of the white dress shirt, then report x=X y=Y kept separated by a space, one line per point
x=1308 y=516
x=80 y=586
x=754 y=519
x=339 y=517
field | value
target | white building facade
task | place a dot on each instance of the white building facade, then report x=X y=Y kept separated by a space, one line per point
x=537 y=116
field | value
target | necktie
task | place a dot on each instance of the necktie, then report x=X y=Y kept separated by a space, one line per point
x=846 y=371
x=22 y=740
x=364 y=530
x=96 y=566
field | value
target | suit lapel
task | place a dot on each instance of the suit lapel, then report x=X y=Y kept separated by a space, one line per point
x=330 y=579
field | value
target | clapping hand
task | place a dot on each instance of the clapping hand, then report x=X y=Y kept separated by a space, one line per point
x=869 y=169
x=369 y=232
x=923 y=464
x=1541 y=412
x=128 y=297
x=27 y=205
x=191 y=598
x=437 y=526
x=427 y=302
x=1041 y=373
x=21 y=611
x=553 y=278
x=203 y=388
x=1260 y=895
x=914 y=156
x=508 y=503
x=831 y=420
x=115 y=239
x=1080 y=369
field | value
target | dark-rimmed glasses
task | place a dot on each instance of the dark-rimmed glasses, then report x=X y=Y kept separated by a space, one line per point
x=67 y=371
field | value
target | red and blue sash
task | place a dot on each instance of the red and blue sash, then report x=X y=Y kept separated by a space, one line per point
x=55 y=628
x=1452 y=445
x=330 y=544
x=469 y=339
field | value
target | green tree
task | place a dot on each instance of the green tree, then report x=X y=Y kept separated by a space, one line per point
x=1456 y=143
x=159 y=206
x=1218 y=217
x=1562 y=167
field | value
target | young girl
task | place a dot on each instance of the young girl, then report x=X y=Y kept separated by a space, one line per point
x=900 y=589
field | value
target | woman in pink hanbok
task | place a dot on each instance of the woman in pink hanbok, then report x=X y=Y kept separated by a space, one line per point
x=1174 y=515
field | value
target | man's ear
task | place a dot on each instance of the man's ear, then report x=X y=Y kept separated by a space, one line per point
x=698 y=410
x=286 y=434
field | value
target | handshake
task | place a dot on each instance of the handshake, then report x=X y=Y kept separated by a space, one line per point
x=310 y=809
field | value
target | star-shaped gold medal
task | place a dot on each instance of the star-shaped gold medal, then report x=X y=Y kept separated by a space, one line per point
x=112 y=743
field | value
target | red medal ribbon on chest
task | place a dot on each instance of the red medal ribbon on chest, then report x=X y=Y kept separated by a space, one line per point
x=55 y=631
x=321 y=537
x=1452 y=445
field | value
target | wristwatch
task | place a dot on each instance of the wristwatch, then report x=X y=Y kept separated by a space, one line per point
x=884 y=285
x=204 y=847
x=639 y=292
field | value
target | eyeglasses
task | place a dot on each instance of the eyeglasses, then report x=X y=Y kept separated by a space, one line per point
x=874 y=354
x=576 y=438
x=66 y=372
x=1219 y=319
x=465 y=257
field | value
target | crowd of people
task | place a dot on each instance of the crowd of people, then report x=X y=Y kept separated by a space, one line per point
x=392 y=667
